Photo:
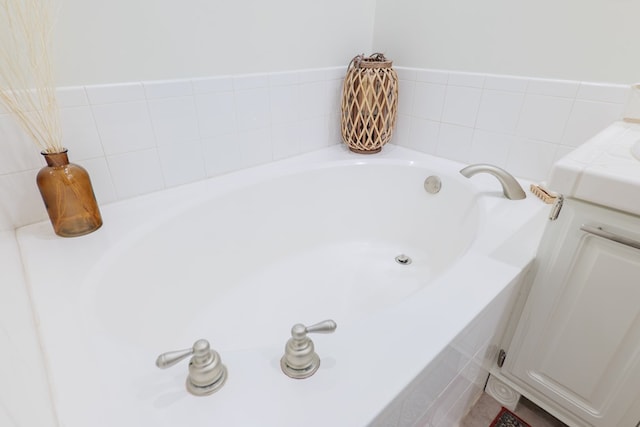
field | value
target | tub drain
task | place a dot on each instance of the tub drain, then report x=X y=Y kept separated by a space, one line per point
x=403 y=259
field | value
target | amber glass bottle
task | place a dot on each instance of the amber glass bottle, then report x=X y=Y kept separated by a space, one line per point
x=68 y=196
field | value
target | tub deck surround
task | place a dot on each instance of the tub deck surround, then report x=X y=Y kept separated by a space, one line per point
x=239 y=259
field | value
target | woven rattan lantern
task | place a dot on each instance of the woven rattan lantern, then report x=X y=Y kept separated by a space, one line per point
x=369 y=103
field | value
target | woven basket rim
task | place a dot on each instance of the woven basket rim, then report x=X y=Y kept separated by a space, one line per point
x=372 y=63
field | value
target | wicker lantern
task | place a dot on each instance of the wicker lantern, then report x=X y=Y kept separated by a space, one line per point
x=369 y=103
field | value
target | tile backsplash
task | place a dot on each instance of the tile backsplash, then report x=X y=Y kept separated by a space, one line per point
x=137 y=138
x=521 y=124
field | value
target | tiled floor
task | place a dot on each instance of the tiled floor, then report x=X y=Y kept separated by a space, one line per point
x=486 y=409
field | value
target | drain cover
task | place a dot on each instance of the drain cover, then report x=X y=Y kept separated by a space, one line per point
x=403 y=259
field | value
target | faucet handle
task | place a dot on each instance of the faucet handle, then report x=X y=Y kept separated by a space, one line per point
x=206 y=371
x=300 y=359
x=299 y=331
x=170 y=358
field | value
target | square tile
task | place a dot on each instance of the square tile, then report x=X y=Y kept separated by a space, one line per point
x=499 y=111
x=461 y=105
x=286 y=139
x=429 y=101
x=252 y=109
x=454 y=142
x=284 y=104
x=124 y=127
x=182 y=164
x=588 y=118
x=101 y=180
x=136 y=173
x=423 y=135
x=315 y=134
x=80 y=134
x=216 y=113
x=255 y=147
x=490 y=147
x=531 y=159
x=20 y=153
x=314 y=100
x=221 y=154
x=544 y=117
x=174 y=120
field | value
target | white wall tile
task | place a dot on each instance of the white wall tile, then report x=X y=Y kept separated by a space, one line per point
x=212 y=84
x=604 y=92
x=490 y=147
x=312 y=75
x=22 y=154
x=167 y=88
x=284 y=78
x=255 y=147
x=506 y=83
x=544 y=117
x=136 y=173
x=588 y=118
x=461 y=105
x=250 y=81
x=80 y=134
x=423 y=135
x=112 y=93
x=429 y=101
x=406 y=94
x=284 y=104
x=26 y=205
x=314 y=100
x=101 y=181
x=75 y=96
x=252 y=109
x=287 y=139
x=221 y=154
x=406 y=73
x=216 y=113
x=466 y=79
x=124 y=127
x=531 y=159
x=454 y=142
x=549 y=87
x=182 y=163
x=432 y=76
x=402 y=131
x=499 y=111
x=174 y=120
x=314 y=134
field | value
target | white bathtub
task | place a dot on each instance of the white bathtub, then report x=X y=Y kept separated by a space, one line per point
x=239 y=259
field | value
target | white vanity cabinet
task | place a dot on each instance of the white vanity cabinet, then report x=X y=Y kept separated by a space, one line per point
x=576 y=349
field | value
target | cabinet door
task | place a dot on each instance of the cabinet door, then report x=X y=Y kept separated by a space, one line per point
x=578 y=340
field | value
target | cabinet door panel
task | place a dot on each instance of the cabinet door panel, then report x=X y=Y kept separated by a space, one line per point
x=578 y=342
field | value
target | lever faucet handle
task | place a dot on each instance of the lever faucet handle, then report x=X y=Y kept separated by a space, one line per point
x=206 y=371
x=324 y=327
x=170 y=358
x=300 y=359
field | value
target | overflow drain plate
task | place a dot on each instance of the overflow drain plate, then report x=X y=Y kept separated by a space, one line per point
x=403 y=259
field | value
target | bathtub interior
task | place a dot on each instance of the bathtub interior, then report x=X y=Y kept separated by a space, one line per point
x=240 y=268
x=317 y=245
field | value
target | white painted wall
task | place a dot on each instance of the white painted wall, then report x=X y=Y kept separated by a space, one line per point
x=595 y=40
x=99 y=41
